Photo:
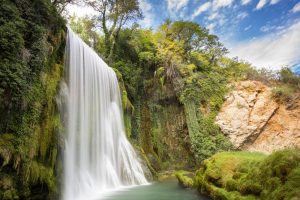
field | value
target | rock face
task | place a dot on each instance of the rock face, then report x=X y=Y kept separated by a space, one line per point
x=254 y=121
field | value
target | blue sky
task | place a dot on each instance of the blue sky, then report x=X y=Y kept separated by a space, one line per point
x=263 y=32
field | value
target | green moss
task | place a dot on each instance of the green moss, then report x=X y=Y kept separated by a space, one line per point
x=185 y=178
x=206 y=137
x=126 y=103
x=170 y=137
x=148 y=163
x=145 y=137
x=32 y=50
x=202 y=95
x=245 y=175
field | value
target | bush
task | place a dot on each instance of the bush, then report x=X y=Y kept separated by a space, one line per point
x=283 y=94
x=288 y=77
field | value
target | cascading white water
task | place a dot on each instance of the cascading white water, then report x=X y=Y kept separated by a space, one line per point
x=97 y=156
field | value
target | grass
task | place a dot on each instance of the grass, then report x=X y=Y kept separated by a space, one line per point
x=245 y=175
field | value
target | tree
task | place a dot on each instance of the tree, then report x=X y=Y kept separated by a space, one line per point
x=193 y=37
x=84 y=27
x=61 y=4
x=113 y=15
x=287 y=76
x=190 y=34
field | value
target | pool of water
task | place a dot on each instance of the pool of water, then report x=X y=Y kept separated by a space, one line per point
x=168 y=190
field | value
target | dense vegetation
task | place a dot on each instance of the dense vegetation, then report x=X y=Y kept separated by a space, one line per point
x=173 y=81
x=244 y=175
x=31 y=35
x=177 y=71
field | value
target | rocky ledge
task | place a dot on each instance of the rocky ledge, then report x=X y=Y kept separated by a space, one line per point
x=254 y=121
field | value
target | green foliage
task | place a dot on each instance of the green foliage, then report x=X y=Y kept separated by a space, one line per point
x=283 y=93
x=85 y=28
x=13 y=72
x=132 y=78
x=206 y=137
x=180 y=56
x=192 y=37
x=180 y=64
x=61 y=4
x=169 y=134
x=31 y=57
x=202 y=94
x=236 y=70
x=245 y=175
x=288 y=77
x=113 y=15
x=126 y=103
x=185 y=178
x=286 y=90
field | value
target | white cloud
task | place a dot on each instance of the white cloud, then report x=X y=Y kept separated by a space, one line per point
x=263 y=3
x=222 y=21
x=274 y=2
x=269 y=28
x=222 y=3
x=296 y=8
x=266 y=28
x=248 y=28
x=213 y=16
x=271 y=51
x=146 y=8
x=177 y=8
x=245 y=2
x=242 y=15
x=201 y=9
x=176 y=5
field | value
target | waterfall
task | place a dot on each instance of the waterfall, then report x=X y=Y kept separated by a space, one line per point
x=97 y=157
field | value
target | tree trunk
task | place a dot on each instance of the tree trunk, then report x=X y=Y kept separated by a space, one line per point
x=111 y=50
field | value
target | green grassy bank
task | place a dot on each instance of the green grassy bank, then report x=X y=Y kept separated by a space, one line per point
x=246 y=175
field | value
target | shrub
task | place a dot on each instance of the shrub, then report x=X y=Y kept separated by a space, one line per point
x=283 y=93
x=288 y=77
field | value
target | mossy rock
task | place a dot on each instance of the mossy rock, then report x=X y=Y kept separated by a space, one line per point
x=166 y=175
x=185 y=178
x=246 y=175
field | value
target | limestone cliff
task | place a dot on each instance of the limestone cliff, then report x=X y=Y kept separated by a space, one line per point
x=254 y=121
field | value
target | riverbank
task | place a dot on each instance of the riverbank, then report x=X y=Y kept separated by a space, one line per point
x=246 y=175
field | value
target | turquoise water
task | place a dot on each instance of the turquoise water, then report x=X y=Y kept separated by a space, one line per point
x=169 y=190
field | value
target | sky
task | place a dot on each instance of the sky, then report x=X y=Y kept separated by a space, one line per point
x=265 y=33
